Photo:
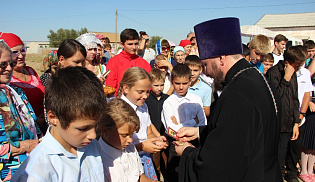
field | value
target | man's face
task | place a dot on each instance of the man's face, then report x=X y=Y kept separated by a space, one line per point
x=280 y=45
x=211 y=69
x=130 y=46
x=311 y=53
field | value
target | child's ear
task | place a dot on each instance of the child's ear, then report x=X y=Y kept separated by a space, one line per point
x=52 y=118
x=61 y=60
x=125 y=88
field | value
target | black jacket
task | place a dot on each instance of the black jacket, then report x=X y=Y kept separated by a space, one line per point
x=289 y=95
x=240 y=142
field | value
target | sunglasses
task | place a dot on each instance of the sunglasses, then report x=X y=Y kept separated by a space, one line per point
x=16 y=53
x=4 y=65
x=165 y=48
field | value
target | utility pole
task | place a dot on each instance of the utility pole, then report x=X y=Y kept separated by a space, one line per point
x=116 y=33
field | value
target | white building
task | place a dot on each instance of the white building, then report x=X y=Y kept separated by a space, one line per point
x=300 y=25
x=38 y=48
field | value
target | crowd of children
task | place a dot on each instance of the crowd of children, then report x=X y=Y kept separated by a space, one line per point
x=126 y=137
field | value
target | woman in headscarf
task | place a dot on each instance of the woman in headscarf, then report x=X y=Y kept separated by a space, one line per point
x=26 y=77
x=90 y=42
x=18 y=130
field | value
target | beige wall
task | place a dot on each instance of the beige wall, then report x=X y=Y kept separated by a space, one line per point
x=298 y=32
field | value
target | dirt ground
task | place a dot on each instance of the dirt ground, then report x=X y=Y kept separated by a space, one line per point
x=36 y=62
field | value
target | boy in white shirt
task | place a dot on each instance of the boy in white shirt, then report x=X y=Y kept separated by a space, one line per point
x=182 y=108
x=68 y=151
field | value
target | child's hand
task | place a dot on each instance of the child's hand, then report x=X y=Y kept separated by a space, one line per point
x=150 y=145
x=162 y=142
x=288 y=71
x=312 y=106
x=174 y=120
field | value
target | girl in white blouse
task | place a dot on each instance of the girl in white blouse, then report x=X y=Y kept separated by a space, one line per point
x=120 y=158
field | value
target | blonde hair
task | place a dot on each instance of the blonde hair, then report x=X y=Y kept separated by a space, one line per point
x=131 y=76
x=261 y=43
x=157 y=74
x=117 y=113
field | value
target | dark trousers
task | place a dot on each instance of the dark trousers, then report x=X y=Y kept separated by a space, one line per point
x=293 y=154
x=282 y=149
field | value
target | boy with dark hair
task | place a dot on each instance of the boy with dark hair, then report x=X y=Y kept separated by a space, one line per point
x=68 y=151
x=279 y=45
x=304 y=93
x=197 y=86
x=284 y=78
x=267 y=62
x=310 y=45
x=181 y=109
x=126 y=59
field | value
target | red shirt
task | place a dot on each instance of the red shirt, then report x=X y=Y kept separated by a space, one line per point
x=33 y=89
x=120 y=63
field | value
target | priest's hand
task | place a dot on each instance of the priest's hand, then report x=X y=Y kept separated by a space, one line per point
x=186 y=134
x=180 y=149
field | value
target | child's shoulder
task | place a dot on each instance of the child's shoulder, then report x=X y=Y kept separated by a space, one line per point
x=204 y=86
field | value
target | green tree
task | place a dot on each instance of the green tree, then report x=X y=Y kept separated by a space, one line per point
x=56 y=38
x=153 y=41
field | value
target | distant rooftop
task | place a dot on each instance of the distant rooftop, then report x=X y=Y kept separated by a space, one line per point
x=110 y=35
x=287 y=20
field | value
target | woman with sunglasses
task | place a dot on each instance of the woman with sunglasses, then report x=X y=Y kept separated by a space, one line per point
x=18 y=130
x=26 y=77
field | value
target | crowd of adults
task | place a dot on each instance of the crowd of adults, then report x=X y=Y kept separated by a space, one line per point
x=259 y=104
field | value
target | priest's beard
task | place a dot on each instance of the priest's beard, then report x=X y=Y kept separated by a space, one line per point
x=219 y=81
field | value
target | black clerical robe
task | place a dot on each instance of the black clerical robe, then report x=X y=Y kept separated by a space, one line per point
x=240 y=142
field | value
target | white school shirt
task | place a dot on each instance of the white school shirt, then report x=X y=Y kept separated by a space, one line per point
x=50 y=161
x=277 y=58
x=167 y=83
x=304 y=85
x=145 y=122
x=185 y=109
x=121 y=165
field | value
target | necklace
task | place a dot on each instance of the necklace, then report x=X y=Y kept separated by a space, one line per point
x=268 y=86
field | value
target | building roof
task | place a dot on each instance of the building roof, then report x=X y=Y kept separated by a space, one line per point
x=110 y=35
x=287 y=20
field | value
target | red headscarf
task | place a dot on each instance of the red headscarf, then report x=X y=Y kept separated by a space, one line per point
x=185 y=42
x=11 y=39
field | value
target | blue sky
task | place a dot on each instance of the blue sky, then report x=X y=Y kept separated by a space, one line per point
x=32 y=20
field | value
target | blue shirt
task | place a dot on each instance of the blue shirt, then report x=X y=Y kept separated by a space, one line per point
x=50 y=161
x=203 y=90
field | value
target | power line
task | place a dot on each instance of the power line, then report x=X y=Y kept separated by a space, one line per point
x=216 y=8
x=49 y=18
x=141 y=10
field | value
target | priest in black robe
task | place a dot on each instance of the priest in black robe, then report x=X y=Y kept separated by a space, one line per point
x=240 y=142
